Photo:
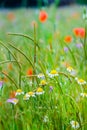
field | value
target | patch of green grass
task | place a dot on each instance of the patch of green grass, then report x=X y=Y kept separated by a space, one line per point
x=28 y=48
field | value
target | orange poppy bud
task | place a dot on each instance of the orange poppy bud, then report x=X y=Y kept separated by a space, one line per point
x=34 y=23
x=43 y=16
x=79 y=32
x=10 y=66
x=12 y=94
x=0 y=103
x=68 y=39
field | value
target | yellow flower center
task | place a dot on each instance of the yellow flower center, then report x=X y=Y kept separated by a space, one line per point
x=53 y=72
x=81 y=80
x=70 y=68
x=43 y=82
x=19 y=91
x=15 y=100
x=39 y=90
x=85 y=94
x=25 y=97
x=31 y=93
x=75 y=123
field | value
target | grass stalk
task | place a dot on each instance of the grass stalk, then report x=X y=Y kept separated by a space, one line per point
x=10 y=53
x=26 y=36
x=12 y=80
x=30 y=62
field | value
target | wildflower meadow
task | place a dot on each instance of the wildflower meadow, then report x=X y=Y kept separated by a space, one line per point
x=43 y=68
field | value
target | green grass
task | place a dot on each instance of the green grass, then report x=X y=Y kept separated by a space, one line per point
x=61 y=101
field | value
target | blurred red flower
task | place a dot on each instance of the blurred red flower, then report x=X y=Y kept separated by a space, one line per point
x=43 y=16
x=11 y=16
x=68 y=39
x=29 y=71
x=79 y=32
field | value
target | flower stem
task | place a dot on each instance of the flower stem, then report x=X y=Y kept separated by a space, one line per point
x=84 y=44
x=26 y=36
x=10 y=53
x=10 y=79
x=34 y=50
x=74 y=59
x=22 y=54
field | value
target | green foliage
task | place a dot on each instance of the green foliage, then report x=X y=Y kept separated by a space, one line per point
x=32 y=48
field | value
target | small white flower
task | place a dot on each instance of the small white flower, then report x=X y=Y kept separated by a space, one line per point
x=39 y=91
x=71 y=70
x=53 y=73
x=74 y=124
x=80 y=81
x=46 y=119
x=41 y=76
x=19 y=92
x=83 y=95
x=28 y=95
x=30 y=83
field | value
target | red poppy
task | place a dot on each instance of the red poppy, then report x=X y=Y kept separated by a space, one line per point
x=43 y=16
x=68 y=39
x=29 y=71
x=79 y=32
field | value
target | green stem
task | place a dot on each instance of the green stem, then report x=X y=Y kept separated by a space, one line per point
x=20 y=77
x=29 y=76
x=26 y=36
x=84 y=45
x=22 y=54
x=72 y=54
x=62 y=73
x=15 y=60
x=10 y=52
x=7 y=61
x=73 y=101
x=12 y=80
x=35 y=54
x=34 y=50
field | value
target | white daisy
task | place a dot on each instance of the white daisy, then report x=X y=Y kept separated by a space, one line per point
x=39 y=91
x=71 y=70
x=53 y=73
x=83 y=95
x=43 y=82
x=80 y=81
x=74 y=124
x=41 y=76
x=19 y=92
x=28 y=95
